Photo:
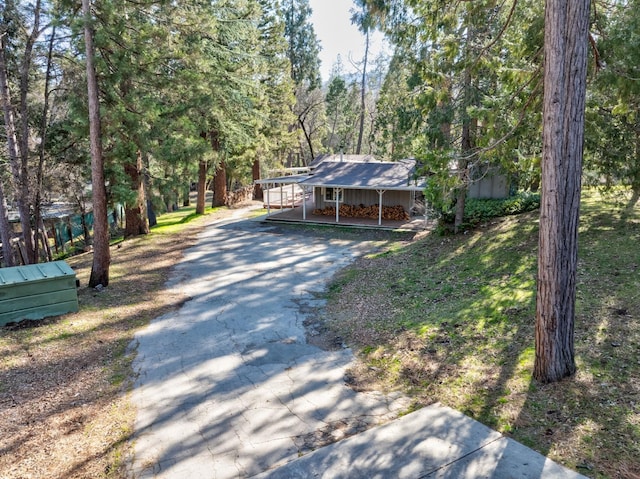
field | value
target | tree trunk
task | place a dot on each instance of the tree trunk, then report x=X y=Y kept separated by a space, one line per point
x=202 y=187
x=220 y=185
x=136 y=215
x=101 y=253
x=46 y=248
x=44 y=123
x=30 y=241
x=467 y=145
x=363 y=92
x=18 y=169
x=565 y=69
x=463 y=173
x=461 y=199
x=307 y=137
x=257 y=189
x=635 y=178
x=5 y=230
x=151 y=214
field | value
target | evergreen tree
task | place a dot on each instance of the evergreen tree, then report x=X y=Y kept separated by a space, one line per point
x=20 y=27
x=276 y=95
x=468 y=88
x=342 y=115
x=365 y=21
x=613 y=123
x=303 y=52
x=101 y=253
x=399 y=119
x=304 y=47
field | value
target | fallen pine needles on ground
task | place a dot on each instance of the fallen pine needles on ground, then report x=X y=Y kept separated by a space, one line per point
x=64 y=411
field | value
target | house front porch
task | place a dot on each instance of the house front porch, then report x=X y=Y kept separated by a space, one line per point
x=305 y=215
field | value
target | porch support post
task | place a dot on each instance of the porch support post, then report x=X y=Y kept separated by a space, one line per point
x=304 y=202
x=281 y=204
x=268 y=199
x=337 y=192
x=380 y=193
x=293 y=195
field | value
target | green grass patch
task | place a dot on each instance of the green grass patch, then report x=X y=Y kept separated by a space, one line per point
x=174 y=221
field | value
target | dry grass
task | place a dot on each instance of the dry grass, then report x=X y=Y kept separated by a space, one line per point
x=63 y=408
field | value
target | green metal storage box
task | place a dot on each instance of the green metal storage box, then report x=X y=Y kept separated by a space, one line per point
x=36 y=291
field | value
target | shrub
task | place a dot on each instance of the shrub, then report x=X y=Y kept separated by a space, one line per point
x=479 y=210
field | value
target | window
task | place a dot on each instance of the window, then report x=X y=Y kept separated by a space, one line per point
x=331 y=193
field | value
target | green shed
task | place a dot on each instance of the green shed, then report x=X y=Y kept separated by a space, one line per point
x=36 y=291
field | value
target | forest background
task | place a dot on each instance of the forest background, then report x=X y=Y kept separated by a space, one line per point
x=216 y=94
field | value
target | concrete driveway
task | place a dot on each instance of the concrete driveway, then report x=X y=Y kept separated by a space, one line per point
x=228 y=385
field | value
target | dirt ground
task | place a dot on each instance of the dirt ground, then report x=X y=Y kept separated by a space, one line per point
x=64 y=411
x=64 y=407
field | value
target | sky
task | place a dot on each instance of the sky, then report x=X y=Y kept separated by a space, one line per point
x=332 y=24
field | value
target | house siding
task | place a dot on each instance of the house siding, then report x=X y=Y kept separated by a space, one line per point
x=489 y=182
x=496 y=186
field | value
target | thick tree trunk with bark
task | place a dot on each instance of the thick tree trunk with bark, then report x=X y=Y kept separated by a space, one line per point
x=463 y=173
x=136 y=214
x=202 y=186
x=101 y=253
x=220 y=185
x=565 y=71
x=29 y=239
x=257 y=189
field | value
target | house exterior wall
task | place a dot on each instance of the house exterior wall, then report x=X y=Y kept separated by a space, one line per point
x=491 y=186
x=366 y=198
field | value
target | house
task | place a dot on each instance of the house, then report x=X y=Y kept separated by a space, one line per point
x=349 y=186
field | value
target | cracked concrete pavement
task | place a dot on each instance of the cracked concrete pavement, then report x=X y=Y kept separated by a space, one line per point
x=228 y=386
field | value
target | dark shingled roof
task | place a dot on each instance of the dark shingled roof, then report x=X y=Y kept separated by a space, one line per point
x=365 y=175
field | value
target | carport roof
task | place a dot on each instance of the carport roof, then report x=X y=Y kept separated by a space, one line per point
x=370 y=175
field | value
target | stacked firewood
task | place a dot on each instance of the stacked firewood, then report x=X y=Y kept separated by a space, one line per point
x=393 y=213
